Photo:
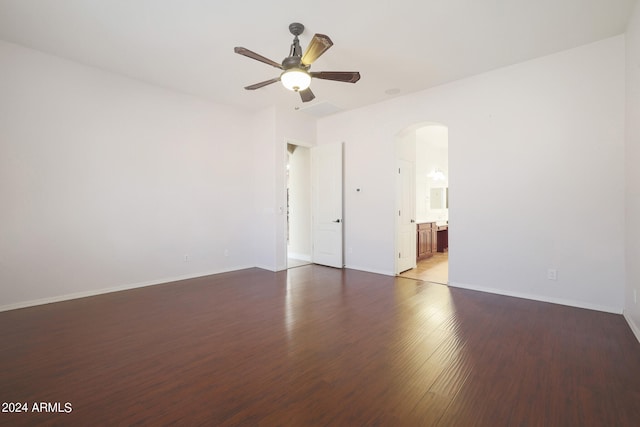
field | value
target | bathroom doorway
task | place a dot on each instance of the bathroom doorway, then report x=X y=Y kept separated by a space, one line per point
x=426 y=146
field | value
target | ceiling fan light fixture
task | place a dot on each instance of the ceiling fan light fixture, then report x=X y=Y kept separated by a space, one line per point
x=295 y=79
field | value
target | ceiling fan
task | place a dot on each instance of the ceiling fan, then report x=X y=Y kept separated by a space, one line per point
x=295 y=74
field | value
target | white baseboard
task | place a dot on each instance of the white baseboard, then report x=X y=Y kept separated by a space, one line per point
x=561 y=301
x=634 y=328
x=369 y=270
x=84 y=294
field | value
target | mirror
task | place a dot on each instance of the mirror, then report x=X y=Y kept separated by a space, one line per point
x=439 y=199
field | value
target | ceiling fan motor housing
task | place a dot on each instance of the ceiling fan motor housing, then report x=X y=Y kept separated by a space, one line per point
x=292 y=62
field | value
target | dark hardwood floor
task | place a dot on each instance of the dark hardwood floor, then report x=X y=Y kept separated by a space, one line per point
x=317 y=346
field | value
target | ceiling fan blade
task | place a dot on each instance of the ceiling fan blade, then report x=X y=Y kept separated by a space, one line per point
x=262 y=84
x=307 y=95
x=339 y=76
x=319 y=45
x=250 y=54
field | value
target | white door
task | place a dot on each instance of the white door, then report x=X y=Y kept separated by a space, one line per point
x=326 y=189
x=406 y=224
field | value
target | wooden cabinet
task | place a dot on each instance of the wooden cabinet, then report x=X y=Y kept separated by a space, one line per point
x=443 y=238
x=427 y=241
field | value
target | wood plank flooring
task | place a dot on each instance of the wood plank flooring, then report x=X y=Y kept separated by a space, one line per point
x=433 y=269
x=293 y=262
x=317 y=346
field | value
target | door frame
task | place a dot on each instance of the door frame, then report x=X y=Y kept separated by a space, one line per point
x=284 y=152
x=398 y=151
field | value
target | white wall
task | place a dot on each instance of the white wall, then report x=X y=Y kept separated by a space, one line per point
x=107 y=182
x=632 y=159
x=529 y=146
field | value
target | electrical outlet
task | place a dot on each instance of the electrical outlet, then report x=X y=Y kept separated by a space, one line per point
x=552 y=274
x=186 y=258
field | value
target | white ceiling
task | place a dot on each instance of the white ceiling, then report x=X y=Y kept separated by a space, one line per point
x=398 y=46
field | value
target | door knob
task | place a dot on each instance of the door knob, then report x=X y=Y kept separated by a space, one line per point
x=337 y=220
x=413 y=221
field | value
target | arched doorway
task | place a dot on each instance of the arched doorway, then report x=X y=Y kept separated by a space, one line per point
x=422 y=188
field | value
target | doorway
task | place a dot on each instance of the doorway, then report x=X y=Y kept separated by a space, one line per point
x=423 y=150
x=298 y=208
x=313 y=208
